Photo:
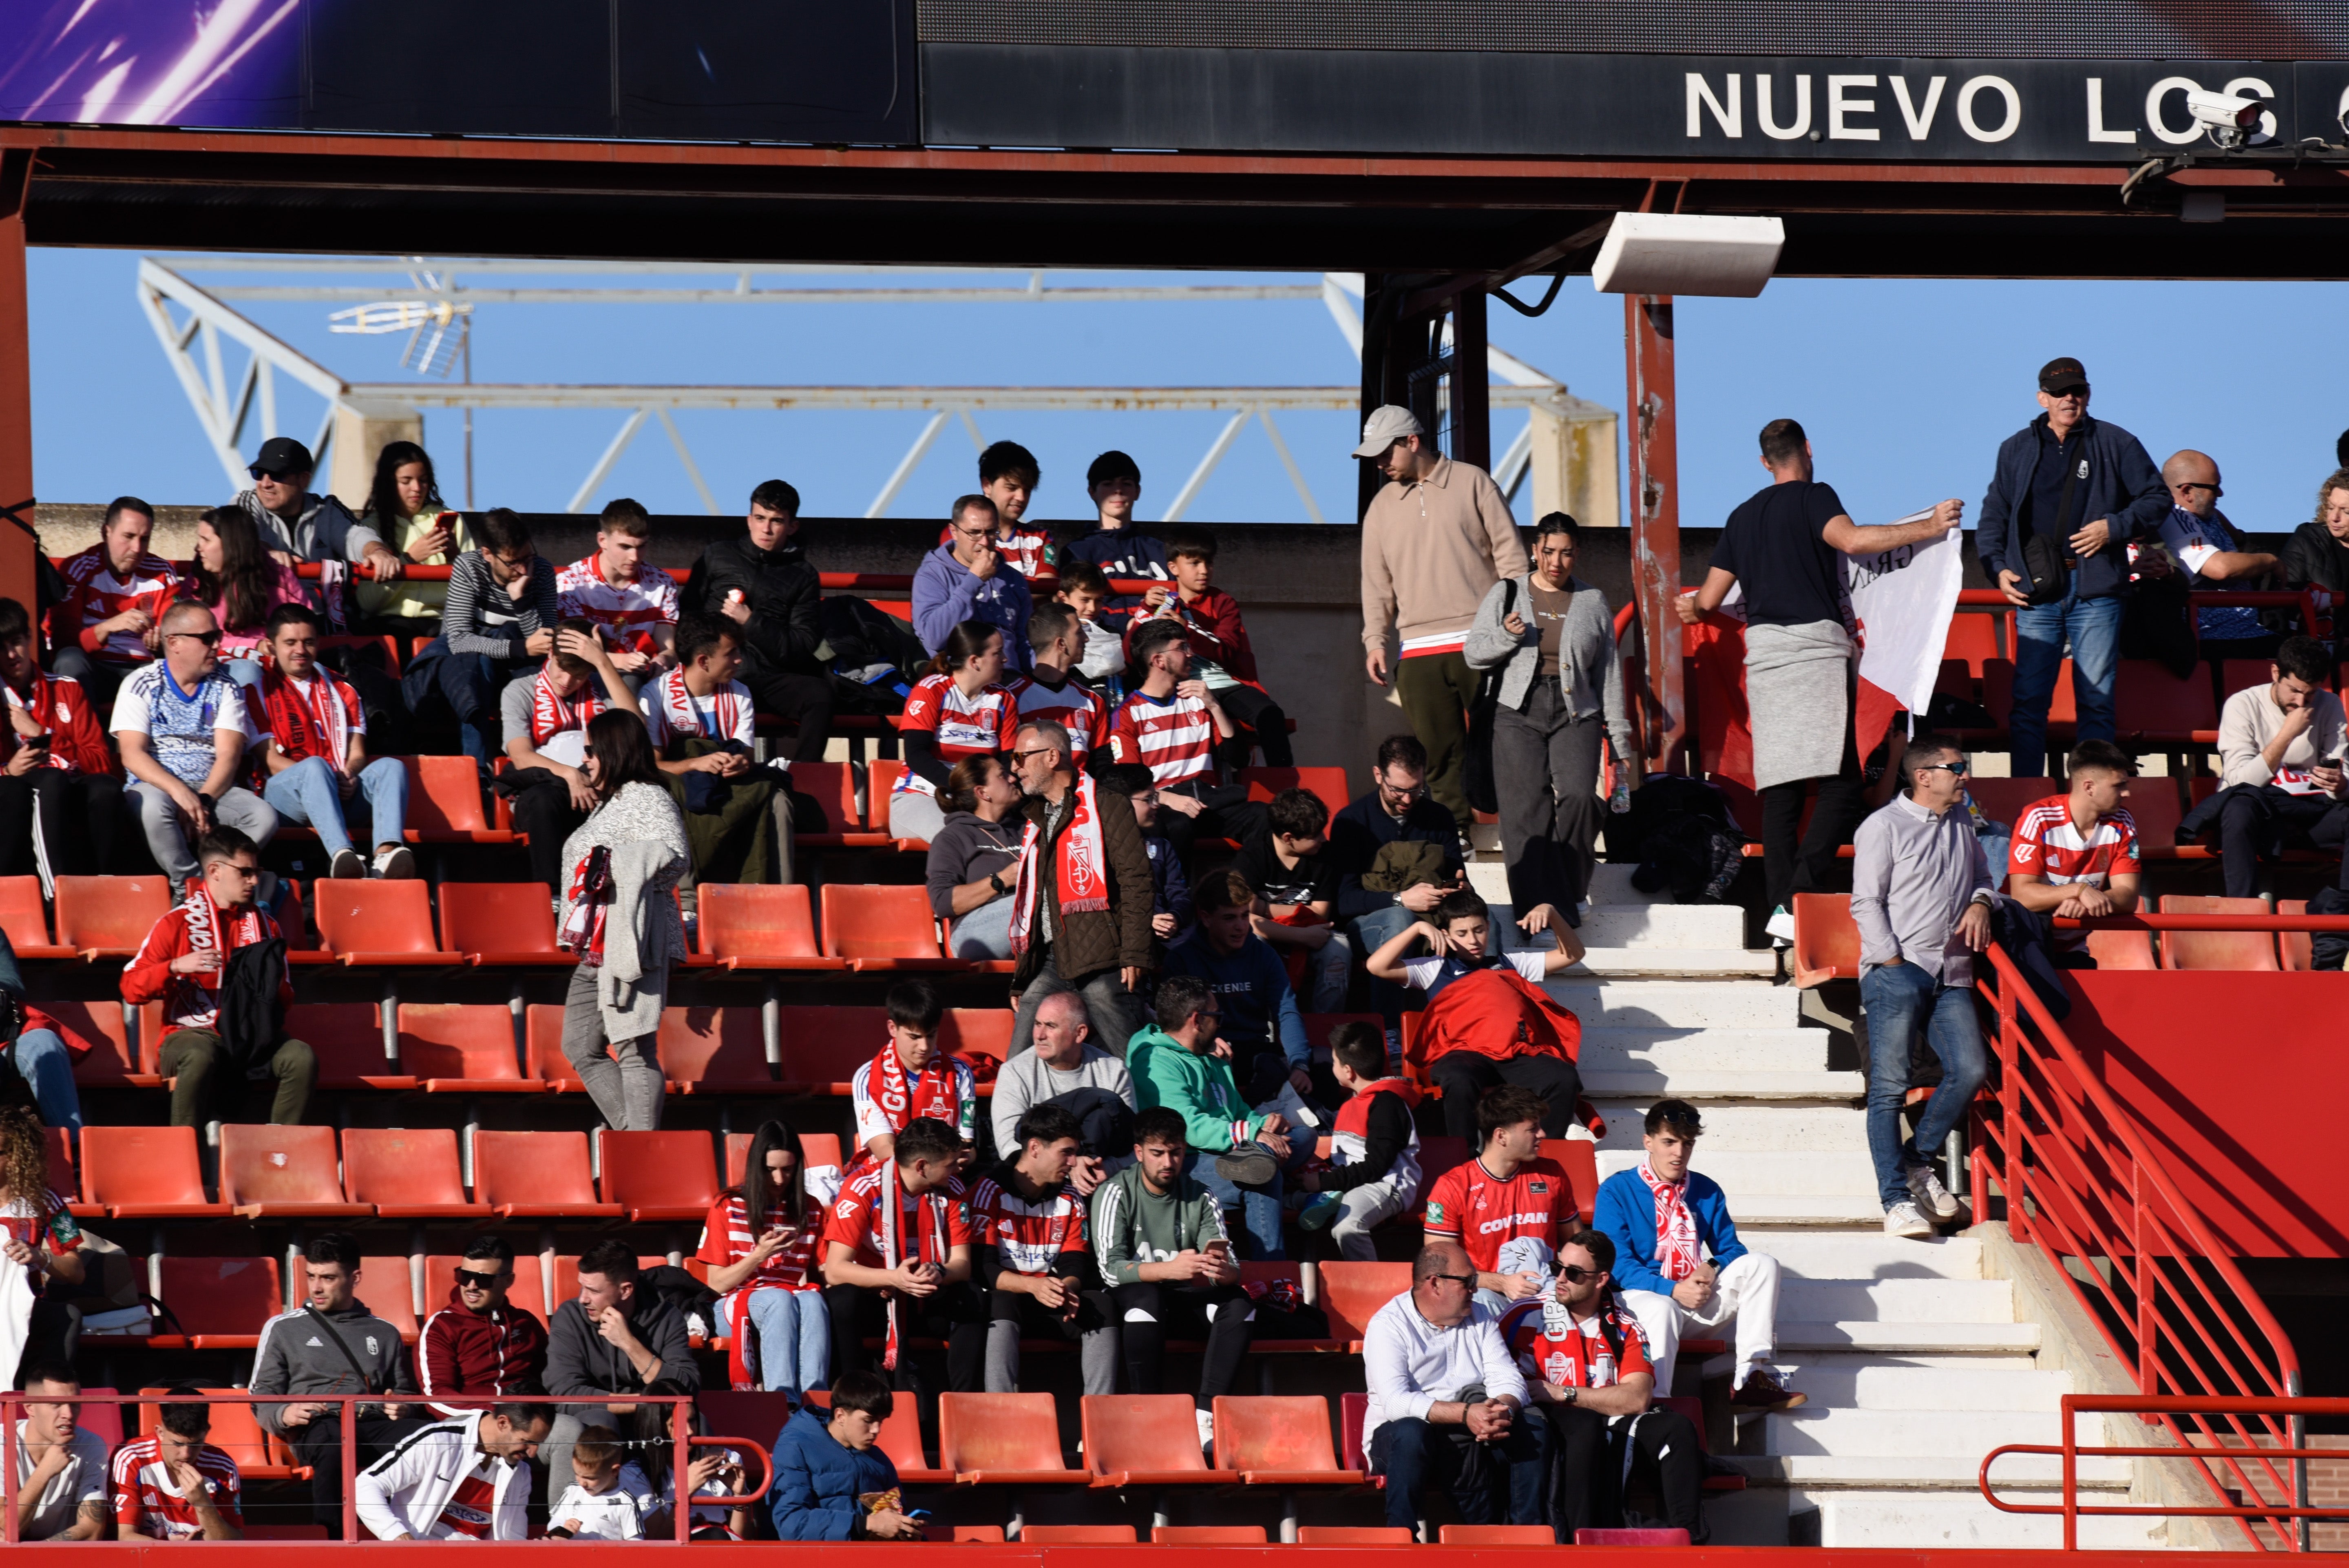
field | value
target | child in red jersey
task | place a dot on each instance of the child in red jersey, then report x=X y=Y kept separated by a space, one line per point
x=1373 y=1147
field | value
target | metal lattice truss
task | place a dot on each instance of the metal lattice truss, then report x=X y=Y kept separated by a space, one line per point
x=191 y=323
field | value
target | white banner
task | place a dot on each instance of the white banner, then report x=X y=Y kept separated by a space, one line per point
x=1902 y=601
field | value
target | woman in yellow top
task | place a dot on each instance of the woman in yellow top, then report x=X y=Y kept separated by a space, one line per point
x=405 y=508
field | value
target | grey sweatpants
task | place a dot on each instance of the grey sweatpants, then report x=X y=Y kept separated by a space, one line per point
x=626 y=1092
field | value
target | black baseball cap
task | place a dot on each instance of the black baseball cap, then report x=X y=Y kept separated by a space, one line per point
x=2060 y=375
x=280 y=456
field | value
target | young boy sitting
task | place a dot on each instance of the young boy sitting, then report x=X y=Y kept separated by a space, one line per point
x=911 y=1078
x=1084 y=589
x=1220 y=653
x=1171 y=909
x=609 y=1497
x=1170 y=721
x=1289 y=867
x=1373 y=1147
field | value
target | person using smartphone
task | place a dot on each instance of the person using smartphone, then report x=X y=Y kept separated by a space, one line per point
x=760 y=1242
x=404 y=506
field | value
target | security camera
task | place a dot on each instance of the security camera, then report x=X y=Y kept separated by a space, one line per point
x=2232 y=120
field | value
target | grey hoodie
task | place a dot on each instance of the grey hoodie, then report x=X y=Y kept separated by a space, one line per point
x=296 y=1355
x=580 y=1361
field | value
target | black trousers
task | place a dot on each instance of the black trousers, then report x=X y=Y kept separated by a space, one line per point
x=1463 y=1075
x=543 y=809
x=81 y=821
x=805 y=700
x=1796 y=862
x=2251 y=817
x=1262 y=725
x=957 y=1313
x=1149 y=1313
x=1229 y=814
x=1587 y=1474
x=1094 y=1310
x=319 y=1445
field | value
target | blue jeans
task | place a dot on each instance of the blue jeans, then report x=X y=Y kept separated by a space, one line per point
x=44 y=1063
x=794 y=1341
x=1260 y=1207
x=2094 y=629
x=473 y=683
x=1370 y=932
x=308 y=792
x=1899 y=1001
x=1415 y=1455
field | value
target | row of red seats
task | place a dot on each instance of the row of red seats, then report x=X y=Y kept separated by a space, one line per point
x=835 y=785
x=2153 y=708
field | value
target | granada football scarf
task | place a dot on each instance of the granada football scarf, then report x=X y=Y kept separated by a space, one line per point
x=901 y=1100
x=550 y=715
x=679 y=715
x=1676 y=1242
x=1081 y=885
x=323 y=726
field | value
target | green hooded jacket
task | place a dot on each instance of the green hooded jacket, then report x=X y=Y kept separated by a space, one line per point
x=1201 y=1088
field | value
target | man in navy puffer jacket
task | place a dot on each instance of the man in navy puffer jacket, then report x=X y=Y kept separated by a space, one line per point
x=823 y=1466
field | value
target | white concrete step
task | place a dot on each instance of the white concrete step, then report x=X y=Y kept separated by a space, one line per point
x=1897 y=1300
x=1662 y=926
x=1776 y=1212
x=1642 y=1083
x=1695 y=1048
x=1678 y=1004
x=1901 y=1432
x=1928 y=1472
x=1843 y=1363
x=1857 y=1384
x=1610 y=883
x=1746 y=1174
x=1917 y=1520
x=1795 y=1336
x=1747 y=1129
x=1727 y=961
x=1827 y=1256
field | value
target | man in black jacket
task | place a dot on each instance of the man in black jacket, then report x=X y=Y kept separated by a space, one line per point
x=764 y=584
x=2114 y=494
x=614 y=1337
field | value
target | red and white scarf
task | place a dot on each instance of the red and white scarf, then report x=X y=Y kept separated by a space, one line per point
x=1083 y=884
x=933 y=1094
x=679 y=716
x=1676 y=1244
x=300 y=726
x=551 y=715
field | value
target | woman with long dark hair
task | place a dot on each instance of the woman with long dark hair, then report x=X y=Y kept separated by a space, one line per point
x=975 y=857
x=619 y=915
x=955 y=711
x=404 y=506
x=759 y=1243
x=38 y=1233
x=237 y=579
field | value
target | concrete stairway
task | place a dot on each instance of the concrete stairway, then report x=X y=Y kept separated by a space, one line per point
x=1915 y=1364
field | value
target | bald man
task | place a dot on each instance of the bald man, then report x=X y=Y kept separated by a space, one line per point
x=184 y=729
x=2199 y=538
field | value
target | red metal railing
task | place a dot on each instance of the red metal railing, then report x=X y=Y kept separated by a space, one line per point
x=2082 y=1183
x=681 y=1440
x=2148 y=1406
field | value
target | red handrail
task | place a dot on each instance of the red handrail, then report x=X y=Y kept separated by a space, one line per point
x=2072 y=1450
x=876 y=581
x=2085 y=1185
x=681 y=1439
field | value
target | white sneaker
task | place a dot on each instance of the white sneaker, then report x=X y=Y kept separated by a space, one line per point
x=1780 y=926
x=348 y=865
x=396 y=863
x=1206 y=1429
x=1903 y=1220
x=1932 y=1197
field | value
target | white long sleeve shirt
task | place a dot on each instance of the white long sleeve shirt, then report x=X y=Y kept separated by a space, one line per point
x=437 y=1485
x=1411 y=1364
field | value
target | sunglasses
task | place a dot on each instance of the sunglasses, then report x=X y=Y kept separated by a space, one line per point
x=1960 y=768
x=468 y=1280
x=209 y=639
x=1575 y=1275
x=1467 y=1281
x=267 y=474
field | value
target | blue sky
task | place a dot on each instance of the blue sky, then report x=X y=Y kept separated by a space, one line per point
x=1906 y=387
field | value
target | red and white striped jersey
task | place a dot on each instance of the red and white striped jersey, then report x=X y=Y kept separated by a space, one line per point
x=147 y=1503
x=938 y=1220
x=2048 y=845
x=1076 y=708
x=972 y=726
x=726 y=1238
x=629 y=610
x=1173 y=735
x=1027 y=1236
x=99 y=594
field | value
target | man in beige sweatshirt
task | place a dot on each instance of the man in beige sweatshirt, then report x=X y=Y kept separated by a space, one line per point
x=2280 y=747
x=1434 y=540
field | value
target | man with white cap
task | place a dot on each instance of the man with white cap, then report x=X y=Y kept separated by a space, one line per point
x=1434 y=540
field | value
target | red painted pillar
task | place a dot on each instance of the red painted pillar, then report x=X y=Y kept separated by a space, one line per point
x=1655 y=510
x=16 y=537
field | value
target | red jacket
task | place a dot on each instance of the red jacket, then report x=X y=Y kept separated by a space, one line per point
x=193 y=1001
x=502 y=1351
x=76 y=740
x=1216 y=631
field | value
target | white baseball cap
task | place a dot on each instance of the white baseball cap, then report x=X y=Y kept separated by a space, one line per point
x=1388 y=423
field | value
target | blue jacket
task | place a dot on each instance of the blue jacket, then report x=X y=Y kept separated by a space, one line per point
x=2121 y=483
x=818 y=1480
x=1252 y=988
x=946 y=592
x=1170 y=892
x=1627 y=1213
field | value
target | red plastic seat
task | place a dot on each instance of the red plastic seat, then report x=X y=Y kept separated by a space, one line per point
x=235 y=1432
x=112 y=1061
x=1497 y=1535
x=2296 y=948
x=1144 y=1439
x=388 y=1288
x=1328 y=783
x=815 y=1149
x=948 y=1533
x=1352 y=1293
x=109 y=917
x=2006 y=799
x=2235 y=950
x=1279 y=1440
x=542 y=1049
x=347 y=1040
x=2122 y=949
x=832 y=785
x=1973 y=638
x=283 y=1172
x=1998 y=689
x=2236 y=675
x=1656 y=1537
x=2156 y=807
x=2153 y=705
x=1079 y=1534
x=104 y=1420
x=1207 y=1535
x=659 y=1175
x=716 y=1050
x=528 y=1291
x=824 y=1047
x=501 y=925
x=220 y=1303
x=880 y=777
x=145 y=1173
x=444 y=803
x=378 y=923
x=57 y=1148
x=1827 y=943
x=408 y=1173
x=1003 y=1440
x=537 y=1175
x=461 y=1048
x=25 y=922
x=982 y=1034
x=1353 y=1535
x=883 y=927
x=759 y=925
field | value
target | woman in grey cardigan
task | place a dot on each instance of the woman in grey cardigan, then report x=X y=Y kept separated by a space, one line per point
x=1554 y=638
x=611 y=1015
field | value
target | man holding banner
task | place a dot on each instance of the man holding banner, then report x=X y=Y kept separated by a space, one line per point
x=1780 y=549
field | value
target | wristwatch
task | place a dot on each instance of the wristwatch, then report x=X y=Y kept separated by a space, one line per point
x=1573 y=1394
x=995 y=880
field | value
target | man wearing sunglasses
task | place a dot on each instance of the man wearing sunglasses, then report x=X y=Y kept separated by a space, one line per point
x=183 y=729
x=482 y=1343
x=1921 y=895
x=297 y=524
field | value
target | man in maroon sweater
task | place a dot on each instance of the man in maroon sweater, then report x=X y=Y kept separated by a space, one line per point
x=481 y=1343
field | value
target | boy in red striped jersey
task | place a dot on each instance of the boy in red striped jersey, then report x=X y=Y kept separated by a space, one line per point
x=1171 y=722
x=2077 y=854
x=1031 y=1257
x=1051 y=688
x=171 y=1485
x=110 y=622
